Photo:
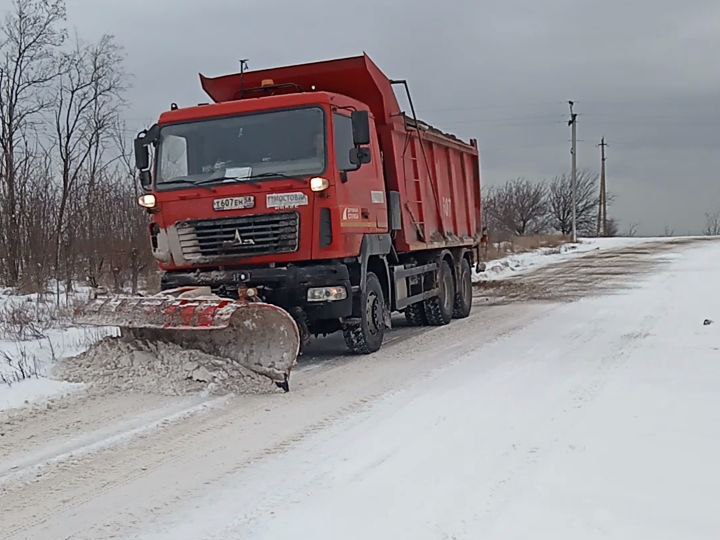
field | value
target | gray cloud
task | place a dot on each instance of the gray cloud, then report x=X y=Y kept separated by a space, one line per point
x=645 y=75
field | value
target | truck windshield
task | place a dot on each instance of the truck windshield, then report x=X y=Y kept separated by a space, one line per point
x=271 y=144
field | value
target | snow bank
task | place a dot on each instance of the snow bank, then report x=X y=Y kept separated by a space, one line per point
x=123 y=365
x=33 y=390
x=523 y=262
x=27 y=363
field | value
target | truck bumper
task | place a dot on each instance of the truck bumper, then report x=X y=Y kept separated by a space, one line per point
x=283 y=286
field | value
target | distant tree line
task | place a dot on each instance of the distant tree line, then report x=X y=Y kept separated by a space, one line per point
x=522 y=207
x=67 y=186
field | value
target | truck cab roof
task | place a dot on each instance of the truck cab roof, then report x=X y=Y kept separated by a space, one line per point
x=257 y=104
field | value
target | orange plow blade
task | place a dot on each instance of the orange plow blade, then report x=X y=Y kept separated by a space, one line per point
x=259 y=336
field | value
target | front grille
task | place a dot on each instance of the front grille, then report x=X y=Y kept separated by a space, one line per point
x=239 y=237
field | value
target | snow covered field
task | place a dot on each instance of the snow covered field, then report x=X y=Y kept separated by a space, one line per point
x=592 y=418
x=517 y=264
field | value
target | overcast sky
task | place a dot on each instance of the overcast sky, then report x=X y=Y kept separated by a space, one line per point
x=644 y=73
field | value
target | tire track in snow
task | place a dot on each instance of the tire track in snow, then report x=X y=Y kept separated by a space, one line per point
x=522 y=461
x=33 y=464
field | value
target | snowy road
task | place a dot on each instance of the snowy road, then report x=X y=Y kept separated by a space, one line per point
x=578 y=401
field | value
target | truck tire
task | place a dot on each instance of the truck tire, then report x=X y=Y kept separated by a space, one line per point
x=439 y=309
x=366 y=336
x=463 y=295
x=415 y=314
x=302 y=323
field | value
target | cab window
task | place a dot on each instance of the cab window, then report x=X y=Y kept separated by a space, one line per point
x=343 y=141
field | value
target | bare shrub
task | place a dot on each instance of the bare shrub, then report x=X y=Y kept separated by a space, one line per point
x=712 y=223
x=516 y=208
x=68 y=195
x=559 y=203
x=497 y=249
x=19 y=321
x=19 y=368
x=631 y=230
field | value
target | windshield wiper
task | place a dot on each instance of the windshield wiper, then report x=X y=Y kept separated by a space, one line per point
x=245 y=179
x=186 y=181
x=272 y=175
x=242 y=179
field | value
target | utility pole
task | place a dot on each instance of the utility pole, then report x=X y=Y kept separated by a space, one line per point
x=573 y=124
x=602 y=203
x=243 y=64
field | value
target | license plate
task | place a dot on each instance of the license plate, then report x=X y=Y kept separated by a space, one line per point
x=233 y=203
x=286 y=200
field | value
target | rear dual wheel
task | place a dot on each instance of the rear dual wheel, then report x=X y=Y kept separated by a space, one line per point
x=415 y=314
x=451 y=302
x=439 y=309
x=463 y=295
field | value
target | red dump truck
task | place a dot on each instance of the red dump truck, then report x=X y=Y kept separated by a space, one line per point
x=306 y=188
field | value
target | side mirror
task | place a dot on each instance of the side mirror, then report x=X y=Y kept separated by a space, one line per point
x=145 y=178
x=145 y=138
x=359 y=156
x=360 y=128
x=142 y=154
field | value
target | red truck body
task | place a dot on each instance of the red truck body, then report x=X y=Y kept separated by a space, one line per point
x=408 y=212
x=438 y=179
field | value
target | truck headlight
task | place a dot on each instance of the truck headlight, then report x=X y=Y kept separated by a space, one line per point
x=147 y=201
x=326 y=294
x=319 y=183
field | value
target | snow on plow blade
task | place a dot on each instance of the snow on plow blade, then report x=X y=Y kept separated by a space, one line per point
x=261 y=337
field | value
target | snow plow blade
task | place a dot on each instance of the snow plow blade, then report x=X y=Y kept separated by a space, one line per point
x=259 y=336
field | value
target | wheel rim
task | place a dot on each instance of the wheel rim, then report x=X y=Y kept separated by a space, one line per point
x=373 y=313
x=466 y=286
x=445 y=289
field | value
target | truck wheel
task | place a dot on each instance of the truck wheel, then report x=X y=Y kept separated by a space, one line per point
x=415 y=314
x=463 y=296
x=302 y=323
x=366 y=336
x=439 y=309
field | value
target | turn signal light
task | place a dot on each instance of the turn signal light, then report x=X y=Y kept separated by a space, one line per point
x=319 y=183
x=147 y=201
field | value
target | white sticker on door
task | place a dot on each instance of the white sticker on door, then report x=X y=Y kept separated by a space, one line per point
x=378 y=197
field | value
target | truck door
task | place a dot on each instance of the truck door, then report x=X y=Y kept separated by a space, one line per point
x=363 y=193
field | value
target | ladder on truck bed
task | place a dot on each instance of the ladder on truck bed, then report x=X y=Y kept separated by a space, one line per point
x=416 y=183
x=417 y=125
x=415 y=195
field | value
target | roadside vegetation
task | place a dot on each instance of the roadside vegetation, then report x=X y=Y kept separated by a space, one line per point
x=67 y=186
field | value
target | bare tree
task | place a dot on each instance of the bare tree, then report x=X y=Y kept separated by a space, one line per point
x=559 y=202
x=516 y=207
x=67 y=183
x=668 y=231
x=87 y=101
x=30 y=35
x=712 y=223
x=631 y=230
